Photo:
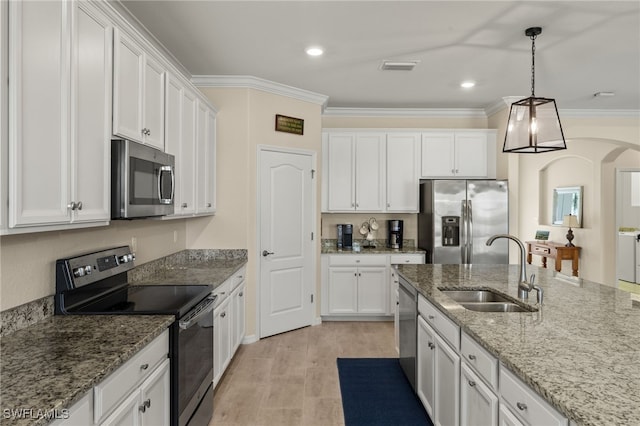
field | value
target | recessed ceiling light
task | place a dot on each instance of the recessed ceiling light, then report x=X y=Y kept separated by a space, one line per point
x=314 y=51
x=467 y=84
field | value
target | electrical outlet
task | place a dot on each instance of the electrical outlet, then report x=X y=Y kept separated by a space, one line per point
x=134 y=244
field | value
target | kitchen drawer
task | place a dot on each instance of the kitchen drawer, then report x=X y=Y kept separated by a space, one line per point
x=485 y=364
x=448 y=329
x=358 y=260
x=400 y=259
x=223 y=291
x=120 y=383
x=238 y=277
x=541 y=250
x=525 y=403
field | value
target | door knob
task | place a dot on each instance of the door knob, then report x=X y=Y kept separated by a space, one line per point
x=266 y=253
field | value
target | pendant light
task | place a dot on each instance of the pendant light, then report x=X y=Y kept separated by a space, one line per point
x=534 y=125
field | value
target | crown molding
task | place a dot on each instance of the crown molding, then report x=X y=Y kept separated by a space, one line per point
x=251 y=82
x=589 y=113
x=405 y=112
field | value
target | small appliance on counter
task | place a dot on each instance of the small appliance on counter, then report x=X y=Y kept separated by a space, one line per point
x=345 y=236
x=394 y=230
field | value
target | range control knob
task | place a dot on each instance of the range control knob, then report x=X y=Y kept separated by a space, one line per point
x=78 y=272
x=126 y=258
x=88 y=270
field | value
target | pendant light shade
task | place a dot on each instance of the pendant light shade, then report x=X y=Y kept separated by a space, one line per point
x=534 y=125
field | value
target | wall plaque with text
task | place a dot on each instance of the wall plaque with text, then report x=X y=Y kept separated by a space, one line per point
x=289 y=124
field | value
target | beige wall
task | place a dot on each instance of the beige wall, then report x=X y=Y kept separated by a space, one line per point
x=246 y=120
x=27 y=262
x=596 y=148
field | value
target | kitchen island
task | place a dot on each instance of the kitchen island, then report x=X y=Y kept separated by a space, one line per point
x=580 y=351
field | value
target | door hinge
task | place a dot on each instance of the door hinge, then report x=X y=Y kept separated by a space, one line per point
x=312 y=236
x=312 y=298
x=313 y=173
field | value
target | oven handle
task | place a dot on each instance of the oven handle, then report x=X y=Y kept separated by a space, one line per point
x=198 y=312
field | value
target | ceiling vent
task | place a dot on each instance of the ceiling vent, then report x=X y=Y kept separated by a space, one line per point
x=398 y=65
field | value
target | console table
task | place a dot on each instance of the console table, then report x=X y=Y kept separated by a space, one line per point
x=556 y=251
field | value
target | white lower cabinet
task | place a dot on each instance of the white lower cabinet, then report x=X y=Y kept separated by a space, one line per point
x=507 y=418
x=228 y=322
x=147 y=405
x=526 y=405
x=438 y=365
x=478 y=403
x=355 y=285
x=80 y=413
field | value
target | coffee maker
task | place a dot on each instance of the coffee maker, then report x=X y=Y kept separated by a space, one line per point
x=394 y=230
x=345 y=236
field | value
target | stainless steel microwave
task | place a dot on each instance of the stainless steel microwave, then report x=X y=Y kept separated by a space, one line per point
x=142 y=181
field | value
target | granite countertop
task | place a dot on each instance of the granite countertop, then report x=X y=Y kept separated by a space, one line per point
x=211 y=267
x=52 y=364
x=408 y=247
x=580 y=351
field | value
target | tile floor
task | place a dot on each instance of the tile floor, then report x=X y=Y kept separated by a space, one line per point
x=292 y=378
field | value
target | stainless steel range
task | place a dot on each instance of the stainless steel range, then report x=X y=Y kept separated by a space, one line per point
x=96 y=283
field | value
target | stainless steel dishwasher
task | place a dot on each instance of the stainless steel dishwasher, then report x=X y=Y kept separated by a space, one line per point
x=408 y=298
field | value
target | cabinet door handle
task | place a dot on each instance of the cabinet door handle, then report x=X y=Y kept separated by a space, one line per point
x=472 y=357
x=521 y=406
x=224 y=314
x=79 y=205
x=472 y=383
x=388 y=204
x=208 y=204
x=144 y=366
x=185 y=205
x=72 y=205
x=241 y=294
x=431 y=317
x=432 y=346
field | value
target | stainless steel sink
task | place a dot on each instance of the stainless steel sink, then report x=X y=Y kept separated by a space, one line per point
x=486 y=301
x=496 y=307
x=475 y=296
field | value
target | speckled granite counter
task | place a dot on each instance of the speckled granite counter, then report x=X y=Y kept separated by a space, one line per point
x=55 y=362
x=211 y=267
x=581 y=351
x=329 y=246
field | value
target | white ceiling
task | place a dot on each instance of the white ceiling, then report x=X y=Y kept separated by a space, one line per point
x=585 y=47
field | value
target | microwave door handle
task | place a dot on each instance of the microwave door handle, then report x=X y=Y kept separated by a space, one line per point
x=160 y=171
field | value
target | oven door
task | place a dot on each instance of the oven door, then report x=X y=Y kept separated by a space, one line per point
x=195 y=362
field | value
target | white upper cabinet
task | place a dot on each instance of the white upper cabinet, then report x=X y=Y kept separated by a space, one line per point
x=403 y=180
x=138 y=93
x=458 y=153
x=60 y=123
x=205 y=159
x=354 y=172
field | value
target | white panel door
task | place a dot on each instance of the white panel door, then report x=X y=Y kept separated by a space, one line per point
x=91 y=114
x=210 y=179
x=471 y=154
x=128 y=69
x=370 y=172
x=373 y=290
x=438 y=154
x=425 y=386
x=403 y=178
x=340 y=151
x=201 y=158
x=447 y=385
x=343 y=290
x=155 y=397
x=153 y=104
x=478 y=404
x=287 y=278
x=39 y=113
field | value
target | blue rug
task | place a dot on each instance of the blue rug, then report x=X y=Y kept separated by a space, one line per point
x=375 y=391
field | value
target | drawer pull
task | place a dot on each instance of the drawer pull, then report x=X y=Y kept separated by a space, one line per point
x=145 y=405
x=432 y=346
x=241 y=294
x=144 y=366
x=472 y=383
x=224 y=314
x=521 y=406
x=431 y=317
x=472 y=357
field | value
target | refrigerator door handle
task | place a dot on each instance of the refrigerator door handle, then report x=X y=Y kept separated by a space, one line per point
x=469 y=232
x=463 y=232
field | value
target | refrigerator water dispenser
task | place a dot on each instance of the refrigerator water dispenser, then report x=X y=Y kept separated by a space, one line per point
x=450 y=231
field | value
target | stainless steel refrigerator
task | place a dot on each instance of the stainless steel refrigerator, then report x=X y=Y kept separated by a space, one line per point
x=458 y=216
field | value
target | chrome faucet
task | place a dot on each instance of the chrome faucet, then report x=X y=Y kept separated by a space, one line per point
x=524 y=285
